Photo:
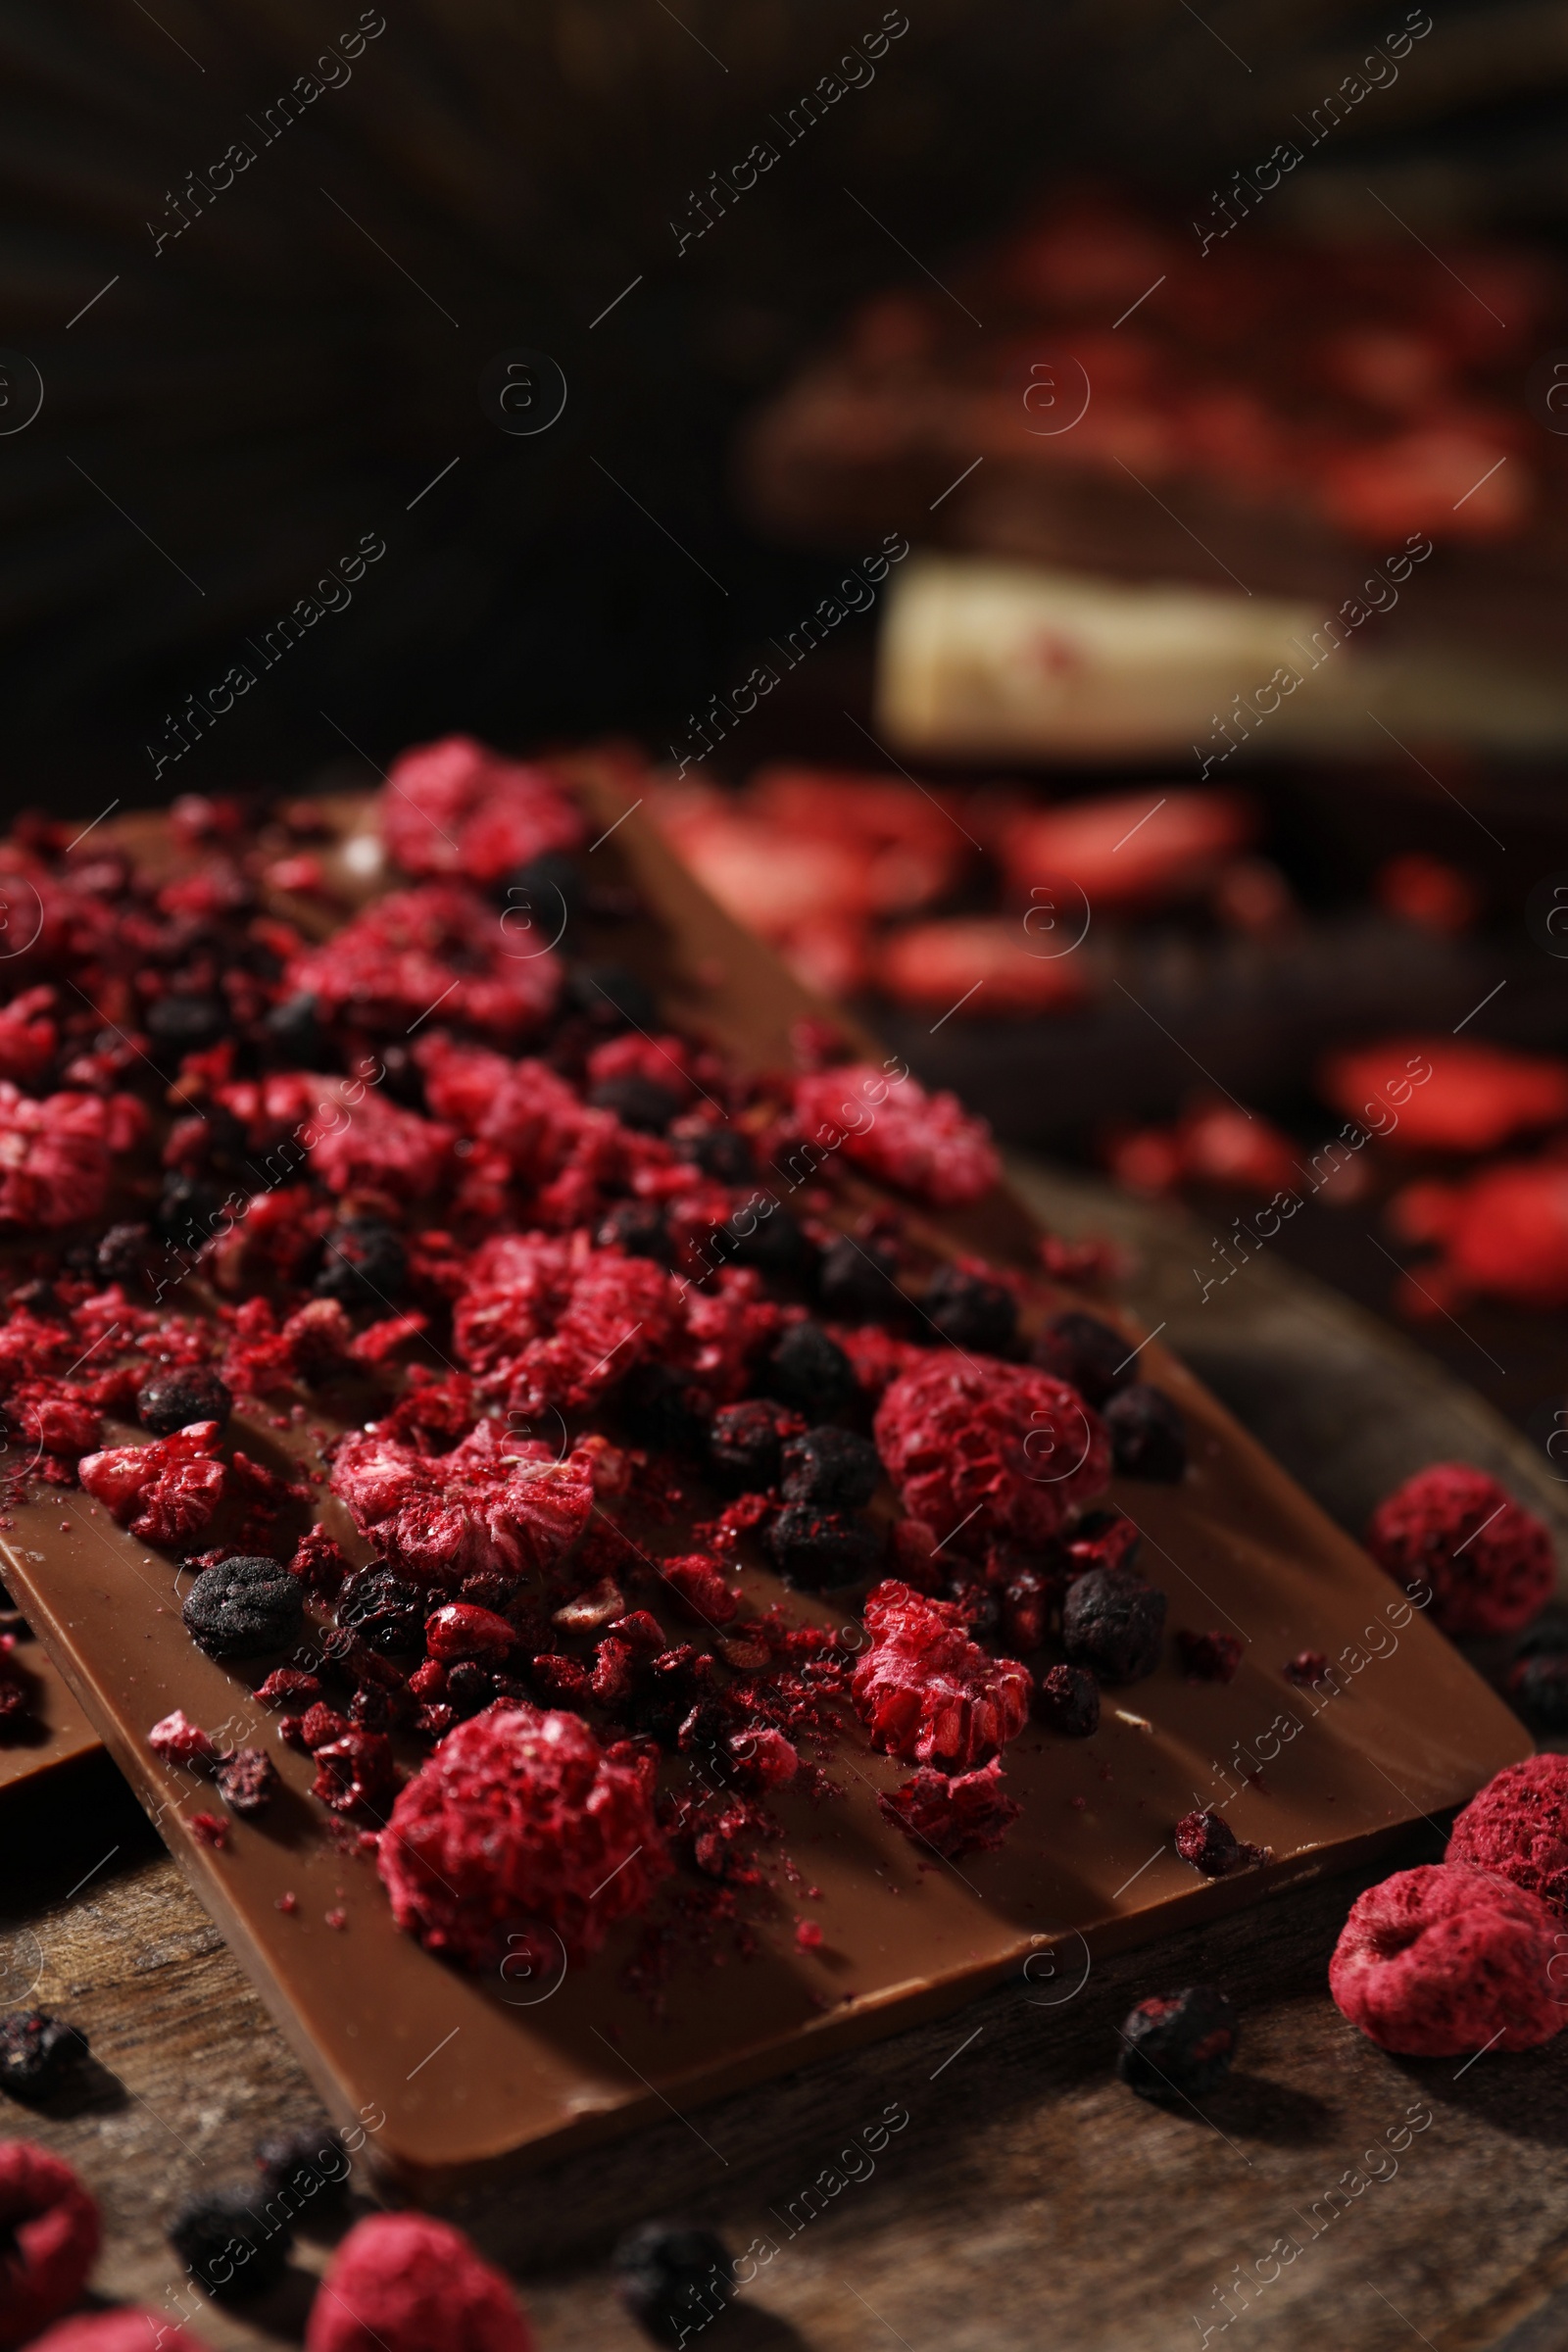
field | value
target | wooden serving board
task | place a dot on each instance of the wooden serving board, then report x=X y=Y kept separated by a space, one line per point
x=469 y=2074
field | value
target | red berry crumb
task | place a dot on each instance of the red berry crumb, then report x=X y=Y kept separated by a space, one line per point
x=1453 y=1531
x=164 y=1493
x=54 y=2224
x=1306 y=1666
x=178 y=1741
x=1209 y=1657
x=1441 y=1960
x=403 y=2283
x=926 y=1692
x=994 y=1449
x=126 y=2328
x=808 y=1934
x=1209 y=1842
x=209 y=1829
x=521 y=1816
x=966 y=1815
x=492 y=1502
x=1518 y=1826
x=926 y=1144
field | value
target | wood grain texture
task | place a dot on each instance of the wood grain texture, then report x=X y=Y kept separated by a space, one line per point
x=1029 y=2201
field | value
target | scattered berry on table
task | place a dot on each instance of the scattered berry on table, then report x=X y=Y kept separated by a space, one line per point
x=232 y=2245
x=51 y=2222
x=1178 y=2045
x=407 y=2283
x=674 y=2278
x=1453 y=1537
x=37 y=2052
x=1445 y=1959
x=1517 y=1825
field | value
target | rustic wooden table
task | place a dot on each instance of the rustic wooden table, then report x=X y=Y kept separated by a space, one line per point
x=1028 y=2199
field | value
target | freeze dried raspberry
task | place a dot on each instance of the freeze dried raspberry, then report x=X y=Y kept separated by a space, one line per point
x=1209 y=1657
x=698 y=1583
x=57 y=1157
x=1487 y=1561
x=414 y=949
x=725 y=1328
x=455 y=806
x=319 y=1563
x=178 y=1741
x=663 y=1062
x=243 y=1607
x=356 y=1773
x=1207 y=1842
x=286 y=1687
x=877 y=1357
x=166 y=1492
x=1148 y=1434
x=1099 y=1540
x=1178 y=2045
x=1473 y=1096
x=494 y=1501
x=519 y=1817
x=765 y=1757
x=1518 y=1826
x=403 y=2283
x=129 y=2328
x=926 y=1692
x=210 y=1830
x=965 y=1815
x=1069 y=1699
x=172 y=1400
x=524 y=1108
x=1111 y=1623
x=551 y=1321
x=383 y=1149
x=926 y=1144
x=28 y=1037
x=318 y=1727
x=998 y=1451
x=247 y=1782
x=52 y=2223
x=1440 y=1960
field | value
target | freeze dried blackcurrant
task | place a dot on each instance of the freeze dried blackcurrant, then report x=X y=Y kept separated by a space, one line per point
x=173 y=1399
x=831 y=1466
x=1111 y=1623
x=244 y=1606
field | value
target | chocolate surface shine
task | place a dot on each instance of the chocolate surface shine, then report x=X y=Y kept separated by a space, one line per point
x=467 y=2073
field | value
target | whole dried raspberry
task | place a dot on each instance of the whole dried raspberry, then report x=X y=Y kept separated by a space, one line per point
x=815 y=1548
x=994 y=1451
x=244 y=1606
x=928 y=1145
x=971 y=1310
x=232 y=2246
x=1148 y=1435
x=164 y=1493
x=455 y=806
x=37 y=2053
x=1069 y=1699
x=520 y=1818
x=835 y=1467
x=926 y=1692
x=1488 y=1562
x=1210 y=1657
x=673 y=2279
x=1091 y=1355
x=966 y=1814
x=1207 y=1842
x=1178 y=2045
x=492 y=1503
x=172 y=1400
x=52 y=2223
x=1443 y=1959
x=1518 y=1826
x=129 y=2328
x=811 y=1372
x=1111 y=1622
x=405 y=2283
x=247 y=1782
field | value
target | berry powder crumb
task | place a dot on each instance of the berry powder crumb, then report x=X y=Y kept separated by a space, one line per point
x=1210 y=1657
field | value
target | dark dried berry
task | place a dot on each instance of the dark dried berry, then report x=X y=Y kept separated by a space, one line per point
x=364 y=1263
x=542 y=898
x=1148 y=1435
x=190 y=1211
x=1027 y=1598
x=769 y=1240
x=717 y=1148
x=372 y=1708
x=295 y=1026
x=971 y=1311
x=1306 y=1666
x=384 y=1610
x=745 y=1443
x=40 y=1298
x=1178 y=2045
x=674 y=1681
x=832 y=1467
x=246 y=1780
x=232 y=2247
x=1207 y=1842
x=126 y=1253
x=857 y=1281
x=815 y=1548
x=469 y=1685
x=979 y=1608
x=611 y=997
x=37 y=2053
x=811 y=1372
x=1069 y=1699
x=1538 y=1686
x=674 y=2279
x=1111 y=1623
x=665 y=1409
x=1094 y=1356
x=638 y=1229
x=244 y=1606
x=636 y=1101
x=180 y=1024
x=309 y=2166
x=1210 y=1657
x=402 y=1076
x=172 y=1400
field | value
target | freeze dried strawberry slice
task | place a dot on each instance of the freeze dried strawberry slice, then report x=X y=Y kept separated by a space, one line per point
x=928 y=1145
x=416 y=949
x=926 y=1691
x=1447 y=1094
x=551 y=1320
x=164 y=1493
x=457 y=808
x=981 y=1449
x=492 y=1503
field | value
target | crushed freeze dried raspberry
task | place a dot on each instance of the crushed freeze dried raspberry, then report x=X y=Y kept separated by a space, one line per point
x=965 y=1815
x=765 y=1757
x=318 y=1727
x=698 y=1583
x=926 y=1692
x=815 y=1549
x=745 y=1443
x=970 y=1309
x=1443 y=1959
x=927 y=1145
x=1207 y=1842
x=210 y=1828
x=232 y=2246
x=129 y=2328
x=1099 y=1540
x=57 y=1157
x=172 y=1400
x=544 y=1320
x=808 y=1933
x=37 y=2053
x=288 y=1687
x=996 y=1451
x=1148 y=1435
x=492 y=1503
x=244 y=1606
x=247 y=1782
x=835 y=1467
x=166 y=1492
x=52 y=2223
x=178 y=1741
x=1069 y=1699
x=1111 y=1623
x=405 y=2283
x=1518 y=1826
x=1450 y=1529
x=1306 y=1666
x=521 y=1817
x=1209 y=1657
x=1178 y=2045
x=319 y=1563
x=356 y=1773
x=455 y=807
x=390 y=966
